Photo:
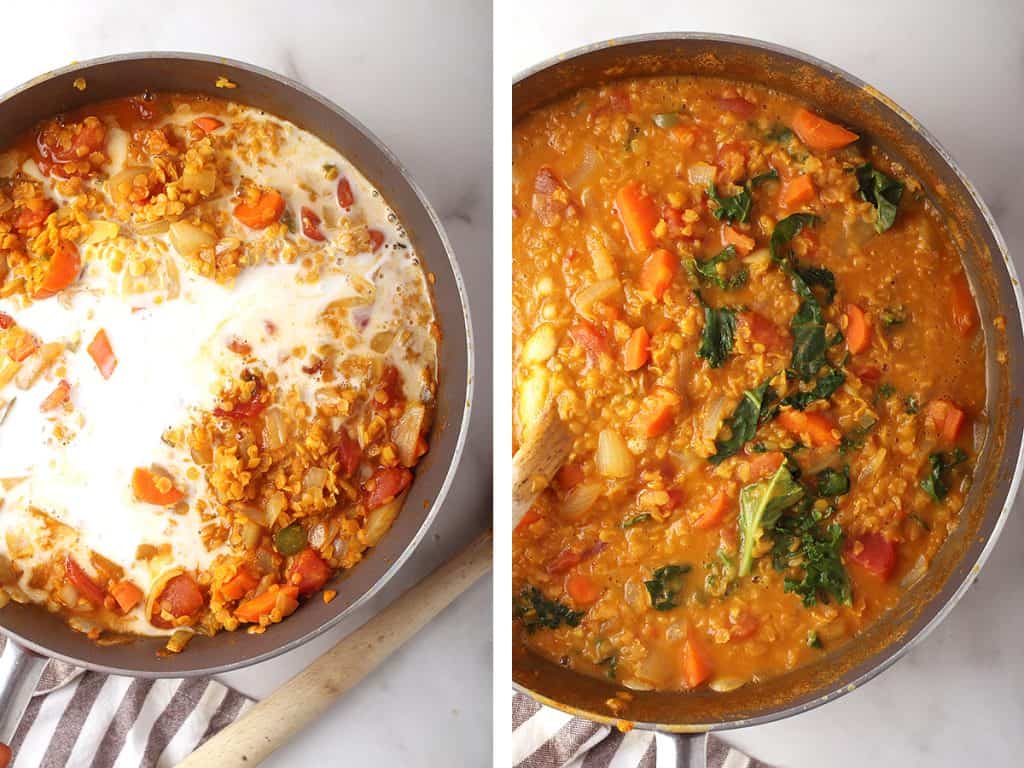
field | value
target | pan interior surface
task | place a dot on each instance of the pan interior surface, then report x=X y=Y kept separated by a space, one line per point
x=971 y=228
x=133 y=74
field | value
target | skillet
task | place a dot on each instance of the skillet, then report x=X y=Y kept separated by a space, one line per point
x=994 y=281
x=33 y=635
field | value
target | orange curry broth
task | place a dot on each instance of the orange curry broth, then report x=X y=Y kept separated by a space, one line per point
x=583 y=286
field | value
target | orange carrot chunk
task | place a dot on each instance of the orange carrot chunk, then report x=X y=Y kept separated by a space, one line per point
x=62 y=271
x=60 y=395
x=798 y=191
x=743 y=243
x=818 y=133
x=657 y=273
x=239 y=585
x=638 y=349
x=531 y=517
x=126 y=595
x=696 y=664
x=858 y=329
x=253 y=609
x=265 y=211
x=715 y=512
x=102 y=354
x=961 y=300
x=945 y=418
x=638 y=214
x=207 y=124
x=154 y=489
x=817 y=426
x=582 y=589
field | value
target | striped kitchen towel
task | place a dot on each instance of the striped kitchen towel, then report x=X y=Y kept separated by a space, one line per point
x=83 y=719
x=546 y=738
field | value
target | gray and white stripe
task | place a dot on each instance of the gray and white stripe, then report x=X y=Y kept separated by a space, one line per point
x=546 y=738
x=78 y=719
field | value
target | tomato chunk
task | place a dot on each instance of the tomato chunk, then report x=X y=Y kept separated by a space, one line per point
x=311 y=225
x=874 y=552
x=345 y=197
x=349 y=454
x=385 y=484
x=763 y=331
x=946 y=418
x=591 y=338
x=181 y=597
x=309 y=572
x=738 y=106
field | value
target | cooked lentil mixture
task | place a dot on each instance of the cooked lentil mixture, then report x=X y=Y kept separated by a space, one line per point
x=217 y=367
x=764 y=342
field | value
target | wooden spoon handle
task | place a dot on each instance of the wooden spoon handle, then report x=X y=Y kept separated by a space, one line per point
x=541 y=455
x=274 y=721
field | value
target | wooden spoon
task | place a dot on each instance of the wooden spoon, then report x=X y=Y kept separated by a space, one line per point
x=542 y=453
x=274 y=721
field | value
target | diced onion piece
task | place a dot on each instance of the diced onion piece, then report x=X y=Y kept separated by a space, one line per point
x=37 y=364
x=726 y=684
x=251 y=535
x=579 y=500
x=599 y=291
x=758 y=261
x=120 y=184
x=873 y=465
x=275 y=431
x=587 y=165
x=152 y=227
x=202 y=181
x=379 y=520
x=275 y=506
x=533 y=393
x=101 y=231
x=188 y=239
x=315 y=479
x=381 y=342
x=613 y=456
x=701 y=174
x=406 y=434
x=178 y=641
x=713 y=418
x=916 y=573
x=541 y=345
x=604 y=263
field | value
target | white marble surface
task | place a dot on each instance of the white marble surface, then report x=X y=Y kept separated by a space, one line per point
x=419 y=76
x=956 y=699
